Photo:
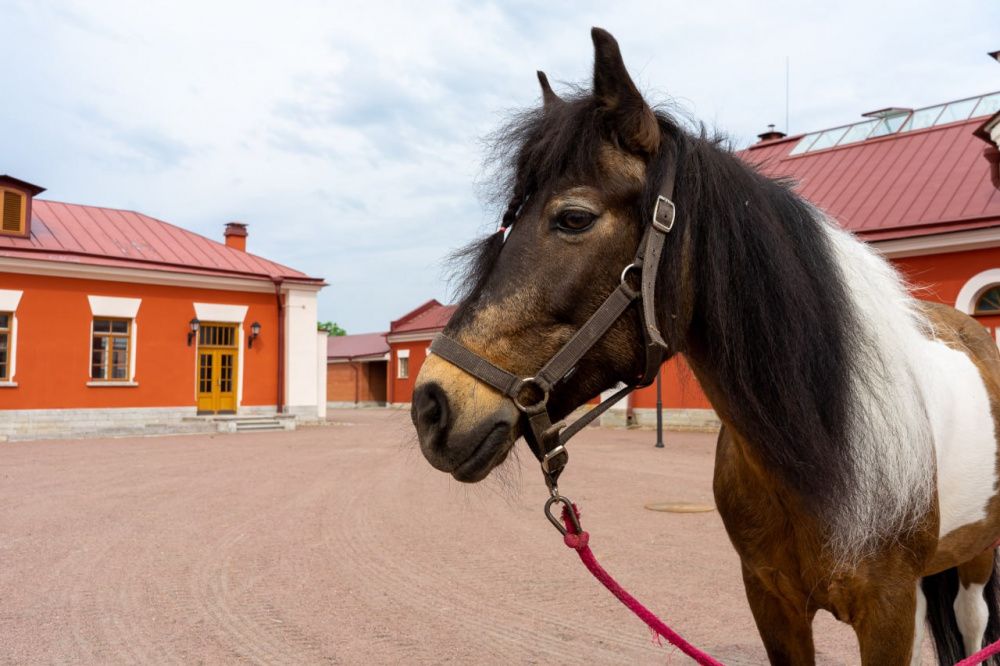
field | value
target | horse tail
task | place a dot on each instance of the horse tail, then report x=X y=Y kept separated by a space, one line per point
x=940 y=590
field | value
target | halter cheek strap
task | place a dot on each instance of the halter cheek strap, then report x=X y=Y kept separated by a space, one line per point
x=531 y=394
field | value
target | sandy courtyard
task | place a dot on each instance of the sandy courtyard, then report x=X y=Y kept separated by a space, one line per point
x=339 y=544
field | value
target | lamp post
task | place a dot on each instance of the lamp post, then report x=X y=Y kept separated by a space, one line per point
x=659 y=409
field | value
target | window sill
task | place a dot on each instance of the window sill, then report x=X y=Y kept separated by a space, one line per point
x=103 y=384
x=8 y=384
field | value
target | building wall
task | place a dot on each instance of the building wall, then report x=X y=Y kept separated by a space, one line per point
x=377 y=377
x=361 y=382
x=54 y=336
x=680 y=388
x=321 y=376
x=301 y=366
x=941 y=277
x=340 y=382
x=401 y=388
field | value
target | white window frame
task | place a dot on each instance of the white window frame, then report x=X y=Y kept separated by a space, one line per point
x=9 y=300
x=102 y=307
x=400 y=355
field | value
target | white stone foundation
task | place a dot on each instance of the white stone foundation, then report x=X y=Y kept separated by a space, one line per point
x=23 y=424
x=696 y=420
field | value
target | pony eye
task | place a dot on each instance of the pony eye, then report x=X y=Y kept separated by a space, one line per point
x=575 y=221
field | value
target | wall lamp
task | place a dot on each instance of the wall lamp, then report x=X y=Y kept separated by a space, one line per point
x=254 y=332
x=195 y=325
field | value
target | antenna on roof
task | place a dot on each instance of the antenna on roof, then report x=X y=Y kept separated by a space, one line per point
x=787 y=68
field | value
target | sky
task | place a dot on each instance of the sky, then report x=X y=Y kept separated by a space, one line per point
x=350 y=136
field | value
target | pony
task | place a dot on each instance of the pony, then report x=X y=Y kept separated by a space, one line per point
x=856 y=468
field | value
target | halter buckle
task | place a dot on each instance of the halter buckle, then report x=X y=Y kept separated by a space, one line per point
x=664 y=214
x=547 y=458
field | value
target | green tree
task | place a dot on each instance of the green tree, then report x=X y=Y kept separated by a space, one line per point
x=332 y=328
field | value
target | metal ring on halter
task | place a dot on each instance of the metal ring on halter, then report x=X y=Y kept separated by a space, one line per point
x=534 y=407
x=573 y=518
x=625 y=272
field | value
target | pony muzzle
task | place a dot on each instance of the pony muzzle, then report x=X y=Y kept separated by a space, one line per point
x=465 y=427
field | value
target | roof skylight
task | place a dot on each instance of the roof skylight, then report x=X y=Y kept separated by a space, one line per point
x=896 y=120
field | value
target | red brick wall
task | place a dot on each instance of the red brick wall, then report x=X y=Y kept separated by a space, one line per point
x=340 y=382
x=358 y=381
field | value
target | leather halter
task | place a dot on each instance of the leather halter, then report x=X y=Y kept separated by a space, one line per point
x=531 y=394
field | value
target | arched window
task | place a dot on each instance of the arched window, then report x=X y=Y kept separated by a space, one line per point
x=988 y=302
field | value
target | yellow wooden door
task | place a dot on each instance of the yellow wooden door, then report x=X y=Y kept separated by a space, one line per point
x=206 y=381
x=217 y=369
x=225 y=361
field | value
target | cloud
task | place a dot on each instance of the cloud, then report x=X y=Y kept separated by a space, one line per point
x=349 y=135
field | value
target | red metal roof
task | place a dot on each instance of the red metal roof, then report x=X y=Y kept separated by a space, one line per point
x=122 y=238
x=915 y=183
x=431 y=316
x=353 y=346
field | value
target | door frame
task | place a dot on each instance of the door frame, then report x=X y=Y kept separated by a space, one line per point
x=236 y=350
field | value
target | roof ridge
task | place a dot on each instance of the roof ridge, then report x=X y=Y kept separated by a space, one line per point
x=415 y=312
x=909 y=113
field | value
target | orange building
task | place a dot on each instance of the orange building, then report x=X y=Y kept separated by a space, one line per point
x=111 y=320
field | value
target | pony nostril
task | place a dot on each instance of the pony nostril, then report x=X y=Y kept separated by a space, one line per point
x=430 y=412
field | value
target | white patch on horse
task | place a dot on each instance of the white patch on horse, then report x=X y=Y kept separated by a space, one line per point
x=891 y=434
x=919 y=620
x=972 y=613
x=964 y=439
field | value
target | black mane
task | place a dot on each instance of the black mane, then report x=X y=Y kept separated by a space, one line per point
x=763 y=312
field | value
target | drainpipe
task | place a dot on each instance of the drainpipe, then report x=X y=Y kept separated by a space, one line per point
x=390 y=388
x=992 y=155
x=357 y=382
x=280 y=299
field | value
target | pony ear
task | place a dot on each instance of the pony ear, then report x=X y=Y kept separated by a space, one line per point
x=615 y=91
x=550 y=100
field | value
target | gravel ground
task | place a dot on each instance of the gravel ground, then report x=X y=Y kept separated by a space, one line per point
x=339 y=544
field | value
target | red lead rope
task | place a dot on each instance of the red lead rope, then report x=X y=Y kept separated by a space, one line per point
x=579 y=540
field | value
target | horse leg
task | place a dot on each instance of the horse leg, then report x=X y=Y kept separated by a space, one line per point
x=971 y=609
x=784 y=623
x=885 y=623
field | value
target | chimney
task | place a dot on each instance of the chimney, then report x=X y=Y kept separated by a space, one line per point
x=236 y=236
x=770 y=135
x=995 y=55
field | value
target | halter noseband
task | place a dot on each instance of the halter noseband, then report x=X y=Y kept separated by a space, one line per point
x=531 y=394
